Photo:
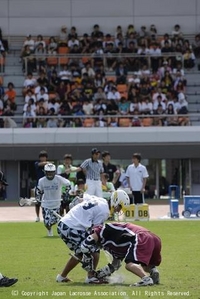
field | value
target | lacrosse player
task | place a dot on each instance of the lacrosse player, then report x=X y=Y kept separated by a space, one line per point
x=49 y=189
x=74 y=227
x=137 y=246
x=7 y=282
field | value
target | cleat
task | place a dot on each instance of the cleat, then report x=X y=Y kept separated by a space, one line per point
x=94 y=280
x=60 y=278
x=145 y=281
x=7 y=282
x=37 y=219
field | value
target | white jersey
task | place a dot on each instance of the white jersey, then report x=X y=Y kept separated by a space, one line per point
x=92 y=211
x=52 y=191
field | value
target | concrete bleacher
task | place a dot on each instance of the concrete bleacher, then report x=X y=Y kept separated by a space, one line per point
x=13 y=73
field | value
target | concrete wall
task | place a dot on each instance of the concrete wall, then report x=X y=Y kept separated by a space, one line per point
x=21 y=17
x=159 y=143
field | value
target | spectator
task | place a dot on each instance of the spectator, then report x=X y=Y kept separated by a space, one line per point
x=155 y=53
x=123 y=106
x=54 y=81
x=61 y=91
x=109 y=168
x=73 y=41
x=99 y=106
x=196 y=46
x=121 y=74
x=160 y=118
x=97 y=35
x=40 y=57
x=29 y=42
x=41 y=118
x=63 y=36
x=29 y=123
x=39 y=41
x=114 y=94
x=130 y=29
x=65 y=74
x=113 y=122
x=42 y=94
x=137 y=175
x=10 y=93
x=2 y=49
x=153 y=32
x=53 y=104
x=171 y=121
x=28 y=113
x=28 y=60
x=136 y=122
x=52 y=122
x=52 y=46
x=165 y=40
x=158 y=102
x=176 y=33
x=100 y=94
x=85 y=43
x=97 y=56
x=145 y=106
x=30 y=103
x=99 y=80
x=112 y=107
x=87 y=107
x=163 y=69
x=72 y=32
x=89 y=70
x=29 y=83
x=189 y=59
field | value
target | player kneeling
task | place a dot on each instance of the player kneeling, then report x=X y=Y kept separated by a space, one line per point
x=49 y=189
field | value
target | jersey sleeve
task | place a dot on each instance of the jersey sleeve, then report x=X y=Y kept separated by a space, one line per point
x=64 y=181
x=127 y=172
x=40 y=185
x=84 y=165
x=145 y=173
x=59 y=169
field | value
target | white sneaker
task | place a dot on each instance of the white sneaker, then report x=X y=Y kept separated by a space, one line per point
x=154 y=274
x=37 y=219
x=145 y=281
x=59 y=278
x=50 y=232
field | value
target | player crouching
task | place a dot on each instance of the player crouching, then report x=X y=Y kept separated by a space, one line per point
x=136 y=245
x=50 y=187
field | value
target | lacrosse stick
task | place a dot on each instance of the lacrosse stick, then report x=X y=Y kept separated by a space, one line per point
x=26 y=201
x=56 y=214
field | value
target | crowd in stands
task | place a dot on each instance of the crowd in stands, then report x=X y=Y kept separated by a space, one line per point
x=133 y=73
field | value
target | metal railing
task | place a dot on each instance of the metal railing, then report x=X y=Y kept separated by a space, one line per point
x=70 y=119
x=104 y=57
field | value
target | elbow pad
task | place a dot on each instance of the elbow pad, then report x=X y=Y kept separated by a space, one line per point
x=88 y=245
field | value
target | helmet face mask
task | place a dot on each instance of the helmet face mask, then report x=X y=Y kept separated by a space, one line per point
x=50 y=171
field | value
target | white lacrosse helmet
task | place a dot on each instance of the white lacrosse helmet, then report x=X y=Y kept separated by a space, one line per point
x=119 y=197
x=50 y=171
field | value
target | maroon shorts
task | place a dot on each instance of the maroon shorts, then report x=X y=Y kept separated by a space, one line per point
x=145 y=250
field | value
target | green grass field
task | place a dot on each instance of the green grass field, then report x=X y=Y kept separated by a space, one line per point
x=35 y=260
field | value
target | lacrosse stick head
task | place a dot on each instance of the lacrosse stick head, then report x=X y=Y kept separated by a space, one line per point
x=75 y=201
x=22 y=202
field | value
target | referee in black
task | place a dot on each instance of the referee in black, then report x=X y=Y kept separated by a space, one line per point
x=93 y=169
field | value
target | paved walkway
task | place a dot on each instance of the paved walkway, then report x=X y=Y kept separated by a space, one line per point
x=24 y=214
